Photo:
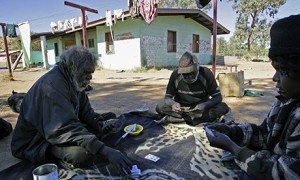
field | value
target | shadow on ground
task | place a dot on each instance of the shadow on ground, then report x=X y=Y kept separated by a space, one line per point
x=122 y=97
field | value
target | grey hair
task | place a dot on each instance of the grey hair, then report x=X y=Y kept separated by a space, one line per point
x=77 y=57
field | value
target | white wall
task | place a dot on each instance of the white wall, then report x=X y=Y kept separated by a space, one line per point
x=127 y=55
x=51 y=56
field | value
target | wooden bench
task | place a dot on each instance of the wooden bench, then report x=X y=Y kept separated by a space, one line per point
x=231 y=66
x=228 y=61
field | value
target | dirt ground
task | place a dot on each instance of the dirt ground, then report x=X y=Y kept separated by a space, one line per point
x=121 y=92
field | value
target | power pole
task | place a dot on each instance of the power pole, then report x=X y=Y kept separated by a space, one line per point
x=214 y=39
x=83 y=9
x=6 y=50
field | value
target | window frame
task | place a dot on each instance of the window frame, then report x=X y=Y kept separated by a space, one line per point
x=196 y=40
x=109 y=42
x=56 y=51
x=91 y=42
x=171 y=41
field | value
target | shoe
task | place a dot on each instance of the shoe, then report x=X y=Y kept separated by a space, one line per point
x=227 y=156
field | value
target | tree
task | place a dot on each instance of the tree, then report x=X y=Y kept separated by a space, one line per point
x=222 y=46
x=12 y=43
x=252 y=25
x=182 y=4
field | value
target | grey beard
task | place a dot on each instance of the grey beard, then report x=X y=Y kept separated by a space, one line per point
x=191 y=81
x=80 y=86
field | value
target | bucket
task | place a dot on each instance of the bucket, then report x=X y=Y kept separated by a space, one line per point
x=45 y=172
x=231 y=84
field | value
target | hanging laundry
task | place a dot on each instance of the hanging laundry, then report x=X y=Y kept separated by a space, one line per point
x=73 y=21
x=108 y=18
x=11 y=30
x=134 y=8
x=53 y=26
x=80 y=21
x=67 y=24
x=60 y=25
x=148 y=9
x=86 y=20
x=118 y=14
x=129 y=3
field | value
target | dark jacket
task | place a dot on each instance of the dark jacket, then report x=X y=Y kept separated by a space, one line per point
x=52 y=112
x=192 y=94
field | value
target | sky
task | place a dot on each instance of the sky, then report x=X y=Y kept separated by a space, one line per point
x=40 y=13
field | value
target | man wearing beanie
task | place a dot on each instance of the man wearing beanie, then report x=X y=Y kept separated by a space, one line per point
x=192 y=95
x=271 y=150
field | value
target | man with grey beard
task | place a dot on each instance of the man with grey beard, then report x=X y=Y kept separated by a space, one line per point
x=57 y=123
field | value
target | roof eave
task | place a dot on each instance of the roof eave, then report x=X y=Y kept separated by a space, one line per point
x=195 y=14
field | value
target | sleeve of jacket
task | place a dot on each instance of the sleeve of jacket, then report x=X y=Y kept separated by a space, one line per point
x=87 y=114
x=261 y=163
x=60 y=124
x=171 y=87
x=212 y=86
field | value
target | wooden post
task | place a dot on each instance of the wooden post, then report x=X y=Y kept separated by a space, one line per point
x=214 y=39
x=6 y=50
x=44 y=52
x=83 y=9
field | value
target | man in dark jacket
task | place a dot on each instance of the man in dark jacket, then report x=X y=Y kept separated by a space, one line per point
x=192 y=94
x=56 y=119
x=271 y=150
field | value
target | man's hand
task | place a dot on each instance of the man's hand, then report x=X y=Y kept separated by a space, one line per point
x=222 y=141
x=108 y=115
x=200 y=107
x=106 y=126
x=176 y=107
x=117 y=159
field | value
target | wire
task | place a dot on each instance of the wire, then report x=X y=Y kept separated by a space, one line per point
x=53 y=15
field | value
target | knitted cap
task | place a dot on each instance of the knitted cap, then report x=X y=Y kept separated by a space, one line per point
x=188 y=63
x=285 y=37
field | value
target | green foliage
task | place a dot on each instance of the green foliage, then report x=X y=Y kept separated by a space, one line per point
x=183 y=4
x=222 y=47
x=36 y=46
x=252 y=24
x=13 y=43
x=234 y=48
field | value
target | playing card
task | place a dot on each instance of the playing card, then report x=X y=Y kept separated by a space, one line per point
x=152 y=157
x=209 y=131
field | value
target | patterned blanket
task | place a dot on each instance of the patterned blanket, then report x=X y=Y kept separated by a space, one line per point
x=183 y=151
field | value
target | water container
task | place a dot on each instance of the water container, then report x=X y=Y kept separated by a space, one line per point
x=231 y=84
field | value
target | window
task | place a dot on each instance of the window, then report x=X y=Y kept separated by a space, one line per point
x=109 y=43
x=195 y=43
x=171 y=41
x=56 y=49
x=91 y=43
x=69 y=43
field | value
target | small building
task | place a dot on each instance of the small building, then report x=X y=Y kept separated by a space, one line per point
x=133 y=43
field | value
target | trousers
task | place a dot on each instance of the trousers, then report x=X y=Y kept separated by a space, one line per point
x=194 y=117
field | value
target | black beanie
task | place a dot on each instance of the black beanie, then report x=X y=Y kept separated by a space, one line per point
x=285 y=37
